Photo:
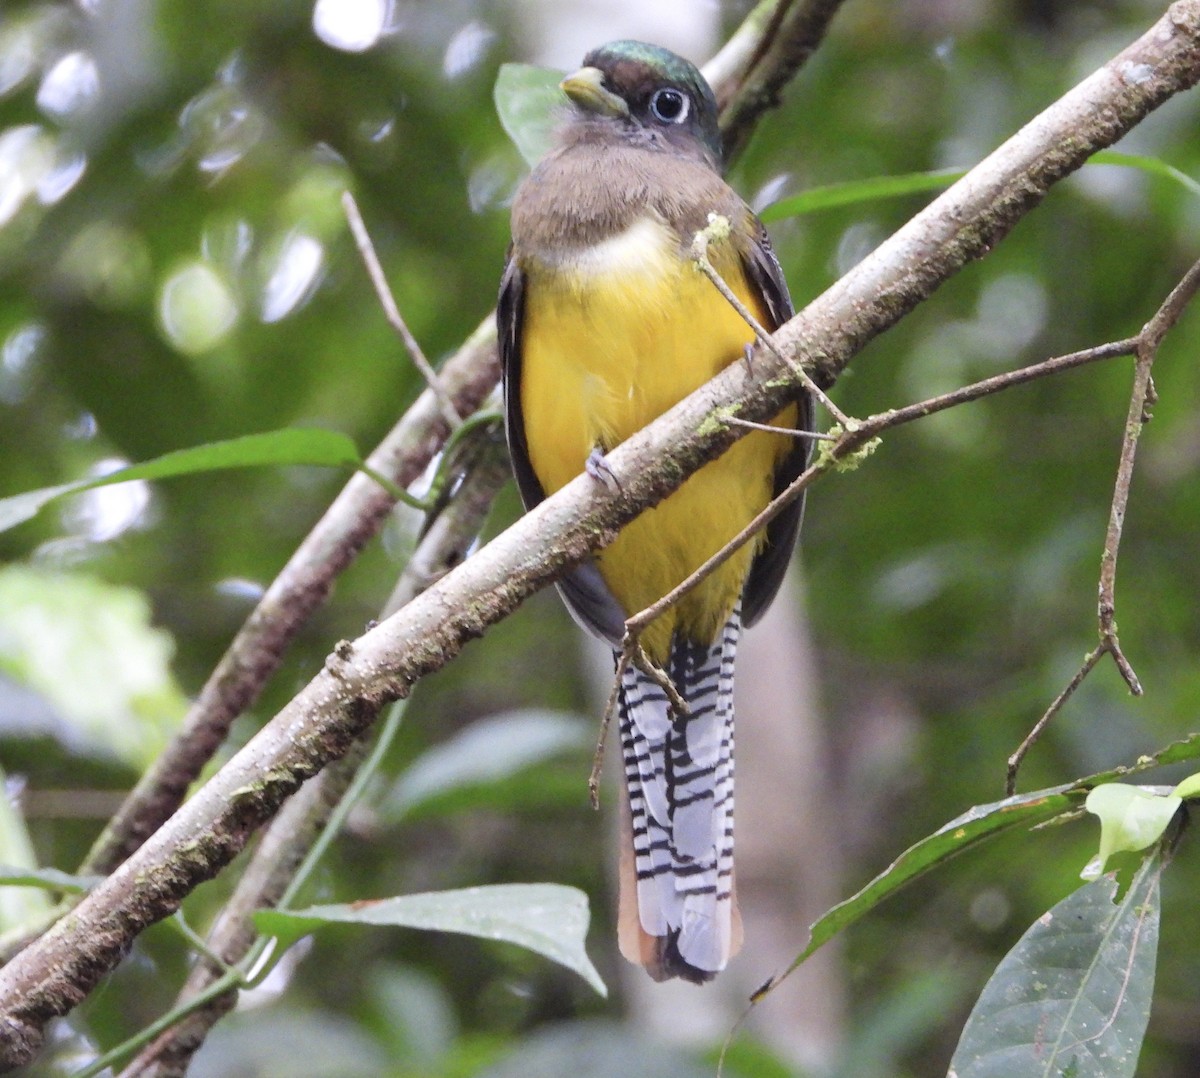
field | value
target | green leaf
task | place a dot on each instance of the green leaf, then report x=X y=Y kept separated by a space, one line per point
x=1189 y=787
x=292 y=445
x=527 y=99
x=545 y=917
x=973 y=827
x=1131 y=819
x=483 y=754
x=1073 y=996
x=47 y=879
x=1186 y=748
x=877 y=188
x=1151 y=165
x=961 y=833
x=850 y=192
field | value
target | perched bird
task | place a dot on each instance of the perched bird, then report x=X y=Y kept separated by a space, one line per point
x=605 y=322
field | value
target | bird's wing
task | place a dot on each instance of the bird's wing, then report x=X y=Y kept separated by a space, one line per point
x=767 y=570
x=583 y=589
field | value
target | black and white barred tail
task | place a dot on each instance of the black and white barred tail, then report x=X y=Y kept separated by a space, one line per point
x=678 y=915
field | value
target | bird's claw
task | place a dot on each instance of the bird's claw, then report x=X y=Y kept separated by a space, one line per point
x=597 y=467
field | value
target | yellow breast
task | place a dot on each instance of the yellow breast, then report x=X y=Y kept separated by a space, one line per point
x=612 y=337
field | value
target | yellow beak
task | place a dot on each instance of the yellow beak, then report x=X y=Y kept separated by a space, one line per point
x=586 y=89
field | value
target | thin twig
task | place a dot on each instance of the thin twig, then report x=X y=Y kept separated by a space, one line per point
x=387 y=301
x=631 y=652
x=790 y=432
x=846 y=443
x=678 y=705
x=718 y=229
x=1145 y=348
x=624 y=657
x=1140 y=400
x=1014 y=761
x=1106 y=609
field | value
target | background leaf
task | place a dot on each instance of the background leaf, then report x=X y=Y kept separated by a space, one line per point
x=877 y=188
x=458 y=772
x=852 y=192
x=46 y=879
x=87 y=649
x=547 y=918
x=1073 y=996
x=527 y=102
x=292 y=446
x=18 y=864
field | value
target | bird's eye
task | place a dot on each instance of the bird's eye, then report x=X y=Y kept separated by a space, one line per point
x=669 y=105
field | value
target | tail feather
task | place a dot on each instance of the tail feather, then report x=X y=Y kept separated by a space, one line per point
x=679 y=915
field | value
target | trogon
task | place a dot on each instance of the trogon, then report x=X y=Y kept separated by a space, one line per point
x=605 y=322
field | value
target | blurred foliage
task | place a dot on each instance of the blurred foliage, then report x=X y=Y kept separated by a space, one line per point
x=174 y=270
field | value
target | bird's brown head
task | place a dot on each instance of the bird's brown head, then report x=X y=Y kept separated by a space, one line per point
x=649 y=93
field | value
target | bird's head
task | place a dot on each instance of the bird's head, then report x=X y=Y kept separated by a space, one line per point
x=648 y=91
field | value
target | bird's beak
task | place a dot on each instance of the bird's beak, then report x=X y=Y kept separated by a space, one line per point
x=586 y=89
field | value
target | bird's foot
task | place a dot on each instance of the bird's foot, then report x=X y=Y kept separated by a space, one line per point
x=597 y=467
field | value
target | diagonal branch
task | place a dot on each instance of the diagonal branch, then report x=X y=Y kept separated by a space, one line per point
x=323 y=721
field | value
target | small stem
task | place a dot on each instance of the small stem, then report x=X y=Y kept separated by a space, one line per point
x=791 y=432
x=1014 y=761
x=366 y=250
x=226 y=983
x=718 y=228
x=610 y=709
x=393 y=489
x=337 y=818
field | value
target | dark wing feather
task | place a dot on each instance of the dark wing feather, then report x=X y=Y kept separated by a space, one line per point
x=509 y=312
x=583 y=589
x=769 y=566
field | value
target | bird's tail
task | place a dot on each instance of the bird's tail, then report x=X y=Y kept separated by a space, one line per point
x=678 y=912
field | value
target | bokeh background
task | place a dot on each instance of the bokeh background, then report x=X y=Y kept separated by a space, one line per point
x=175 y=269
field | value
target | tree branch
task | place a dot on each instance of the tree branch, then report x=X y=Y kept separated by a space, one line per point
x=749 y=74
x=320 y=724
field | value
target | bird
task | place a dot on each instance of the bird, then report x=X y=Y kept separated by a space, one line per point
x=605 y=321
